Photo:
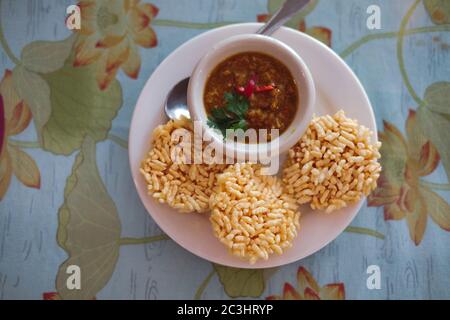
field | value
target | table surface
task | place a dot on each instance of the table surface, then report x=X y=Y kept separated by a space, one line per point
x=65 y=202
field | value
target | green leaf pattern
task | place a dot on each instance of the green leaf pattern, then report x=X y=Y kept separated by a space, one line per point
x=79 y=108
x=439 y=10
x=434 y=120
x=241 y=282
x=46 y=56
x=89 y=229
x=36 y=93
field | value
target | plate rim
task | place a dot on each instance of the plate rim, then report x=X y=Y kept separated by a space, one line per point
x=166 y=60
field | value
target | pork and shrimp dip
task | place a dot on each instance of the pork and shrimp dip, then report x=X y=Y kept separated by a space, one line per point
x=251 y=90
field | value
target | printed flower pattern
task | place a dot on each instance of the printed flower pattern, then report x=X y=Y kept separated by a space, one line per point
x=308 y=289
x=400 y=190
x=322 y=34
x=54 y=296
x=51 y=296
x=111 y=33
x=15 y=116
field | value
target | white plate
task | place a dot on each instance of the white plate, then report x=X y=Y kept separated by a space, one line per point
x=337 y=88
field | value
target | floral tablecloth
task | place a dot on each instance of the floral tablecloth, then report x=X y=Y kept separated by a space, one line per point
x=66 y=193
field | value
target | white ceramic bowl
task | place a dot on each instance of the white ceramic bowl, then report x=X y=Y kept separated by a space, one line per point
x=272 y=47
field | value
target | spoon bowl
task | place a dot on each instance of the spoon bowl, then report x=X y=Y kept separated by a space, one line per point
x=176 y=102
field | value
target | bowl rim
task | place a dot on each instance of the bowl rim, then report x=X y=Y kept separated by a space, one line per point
x=302 y=76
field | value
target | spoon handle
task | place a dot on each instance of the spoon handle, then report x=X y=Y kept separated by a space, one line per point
x=287 y=10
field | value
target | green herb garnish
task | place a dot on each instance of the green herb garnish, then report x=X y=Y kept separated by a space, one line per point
x=232 y=115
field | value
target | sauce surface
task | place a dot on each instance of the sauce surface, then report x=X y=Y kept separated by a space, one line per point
x=273 y=102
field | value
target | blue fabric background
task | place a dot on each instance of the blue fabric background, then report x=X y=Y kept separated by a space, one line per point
x=30 y=256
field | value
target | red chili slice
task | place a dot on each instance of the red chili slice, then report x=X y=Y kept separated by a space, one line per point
x=251 y=87
x=265 y=88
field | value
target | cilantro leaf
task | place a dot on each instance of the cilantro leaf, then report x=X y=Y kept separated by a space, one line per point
x=241 y=124
x=232 y=115
x=219 y=114
x=238 y=105
x=212 y=124
x=228 y=96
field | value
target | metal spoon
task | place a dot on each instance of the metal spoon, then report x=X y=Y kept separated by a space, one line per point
x=176 y=102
